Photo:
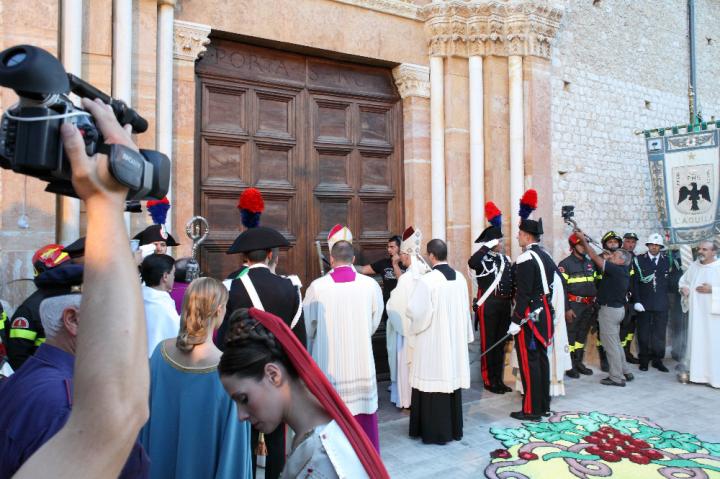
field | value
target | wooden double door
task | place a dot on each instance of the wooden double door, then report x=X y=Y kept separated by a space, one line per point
x=320 y=139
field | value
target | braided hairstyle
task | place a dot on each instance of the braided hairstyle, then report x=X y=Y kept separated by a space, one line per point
x=202 y=299
x=249 y=346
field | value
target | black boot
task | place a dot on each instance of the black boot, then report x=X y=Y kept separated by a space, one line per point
x=604 y=366
x=578 y=363
x=629 y=358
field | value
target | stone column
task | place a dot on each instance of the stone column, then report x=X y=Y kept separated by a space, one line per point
x=477 y=147
x=71 y=33
x=437 y=142
x=164 y=95
x=413 y=83
x=189 y=43
x=122 y=58
x=517 y=168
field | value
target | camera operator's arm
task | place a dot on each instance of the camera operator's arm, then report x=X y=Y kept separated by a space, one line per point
x=600 y=262
x=111 y=368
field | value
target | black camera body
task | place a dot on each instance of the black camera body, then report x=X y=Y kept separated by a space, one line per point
x=30 y=141
x=567 y=212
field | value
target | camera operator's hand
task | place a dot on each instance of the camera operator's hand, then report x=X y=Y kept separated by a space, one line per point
x=91 y=176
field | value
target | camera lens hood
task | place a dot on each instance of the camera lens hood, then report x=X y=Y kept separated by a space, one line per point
x=32 y=70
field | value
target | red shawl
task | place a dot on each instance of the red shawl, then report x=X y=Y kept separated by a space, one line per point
x=321 y=388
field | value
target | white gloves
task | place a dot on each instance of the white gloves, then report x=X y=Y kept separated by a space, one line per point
x=639 y=307
x=513 y=329
x=492 y=243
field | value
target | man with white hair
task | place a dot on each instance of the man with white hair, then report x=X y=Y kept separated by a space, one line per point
x=38 y=397
x=700 y=286
x=398 y=330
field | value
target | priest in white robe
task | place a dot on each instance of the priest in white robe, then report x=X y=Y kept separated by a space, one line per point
x=399 y=340
x=700 y=287
x=439 y=310
x=342 y=311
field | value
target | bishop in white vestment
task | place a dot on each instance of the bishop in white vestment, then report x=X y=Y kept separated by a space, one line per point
x=342 y=311
x=700 y=285
x=399 y=339
x=439 y=309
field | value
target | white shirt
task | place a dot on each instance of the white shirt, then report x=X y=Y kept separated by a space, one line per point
x=161 y=317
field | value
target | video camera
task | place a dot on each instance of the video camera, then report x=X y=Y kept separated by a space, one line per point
x=30 y=141
x=567 y=212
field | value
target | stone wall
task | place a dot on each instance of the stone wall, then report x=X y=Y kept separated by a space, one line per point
x=619 y=66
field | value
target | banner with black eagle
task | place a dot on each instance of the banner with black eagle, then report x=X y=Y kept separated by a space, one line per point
x=685 y=171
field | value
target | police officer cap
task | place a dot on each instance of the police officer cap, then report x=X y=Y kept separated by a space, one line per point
x=76 y=248
x=259 y=238
x=531 y=226
x=154 y=233
x=490 y=233
x=632 y=236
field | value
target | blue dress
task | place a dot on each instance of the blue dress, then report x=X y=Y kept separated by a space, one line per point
x=193 y=431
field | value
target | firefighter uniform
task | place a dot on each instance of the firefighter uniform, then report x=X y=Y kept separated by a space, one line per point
x=580 y=277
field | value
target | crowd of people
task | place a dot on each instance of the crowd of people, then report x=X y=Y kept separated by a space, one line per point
x=239 y=367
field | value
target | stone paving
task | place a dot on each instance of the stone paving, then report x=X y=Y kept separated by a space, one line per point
x=658 y=396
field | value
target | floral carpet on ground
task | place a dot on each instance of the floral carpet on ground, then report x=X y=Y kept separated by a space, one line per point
x=589 y=445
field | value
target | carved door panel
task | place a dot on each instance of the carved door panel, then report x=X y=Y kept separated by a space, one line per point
x=320 y=139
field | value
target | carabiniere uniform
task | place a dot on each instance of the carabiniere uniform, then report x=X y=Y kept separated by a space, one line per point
x=493 y=315
x=580 y=277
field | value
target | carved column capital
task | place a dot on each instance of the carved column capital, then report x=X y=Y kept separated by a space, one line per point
x=190 y=40
x=446 y=26
x=517 y=27
x=412 y=80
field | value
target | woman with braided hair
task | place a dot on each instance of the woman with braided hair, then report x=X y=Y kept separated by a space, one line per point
x=272 y=379
x=189 y=410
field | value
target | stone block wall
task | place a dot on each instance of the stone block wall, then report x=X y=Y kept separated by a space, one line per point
x=618 y=66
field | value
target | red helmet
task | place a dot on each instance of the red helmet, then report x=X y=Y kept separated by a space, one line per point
x=573 y=239
x=48 y=257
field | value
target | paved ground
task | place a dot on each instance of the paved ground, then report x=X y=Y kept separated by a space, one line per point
x=659 y=396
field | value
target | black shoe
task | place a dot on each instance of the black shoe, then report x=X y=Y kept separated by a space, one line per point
x=629 y=377
x=643 y=367
x=493 y=389
x=571 y=373
x=660 y=366
x=521 y=416
x=610 y=382
x=547 y=414
x=630 y=359
x=504 y=387
x=582 y=369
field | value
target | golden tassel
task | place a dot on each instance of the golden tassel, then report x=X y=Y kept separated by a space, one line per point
x=261 y=449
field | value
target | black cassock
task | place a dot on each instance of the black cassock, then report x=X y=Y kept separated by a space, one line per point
x=278 y=296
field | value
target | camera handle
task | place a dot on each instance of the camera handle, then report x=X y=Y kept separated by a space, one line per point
x=571 y=222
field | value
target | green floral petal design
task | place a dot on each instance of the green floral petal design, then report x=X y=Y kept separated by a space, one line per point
x=588 y=424
x=511 y=436
x=649 y=434
x=711 y=447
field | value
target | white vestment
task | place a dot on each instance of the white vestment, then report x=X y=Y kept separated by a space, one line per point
x=399 y=342
x=161 y=317
x=704 y=323
x=340 y=319
x=439 y=310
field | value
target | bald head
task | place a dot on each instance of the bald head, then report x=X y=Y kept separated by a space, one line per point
x=342 y=253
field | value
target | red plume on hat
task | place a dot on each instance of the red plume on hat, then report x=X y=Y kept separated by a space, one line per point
x=528 y=203
x=251 y=206
x=493 y=214
x=158 y=210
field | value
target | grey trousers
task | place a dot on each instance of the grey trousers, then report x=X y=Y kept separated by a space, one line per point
x=610 y=320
